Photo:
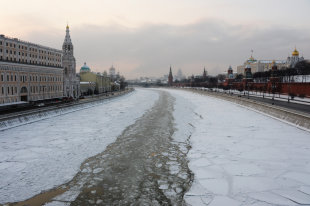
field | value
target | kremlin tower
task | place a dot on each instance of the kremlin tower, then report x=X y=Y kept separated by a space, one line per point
x=170 y=78
x=204 y=74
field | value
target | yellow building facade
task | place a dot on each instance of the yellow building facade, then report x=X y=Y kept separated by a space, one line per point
x=96 y=82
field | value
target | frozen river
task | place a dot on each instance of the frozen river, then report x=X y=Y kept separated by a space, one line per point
x=157 y=147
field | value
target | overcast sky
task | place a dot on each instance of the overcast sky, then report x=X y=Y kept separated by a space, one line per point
x=145 y=37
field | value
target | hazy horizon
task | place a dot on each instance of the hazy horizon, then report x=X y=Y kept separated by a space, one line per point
x=143 y=38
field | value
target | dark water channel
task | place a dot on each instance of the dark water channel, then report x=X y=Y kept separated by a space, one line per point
x=144 y=166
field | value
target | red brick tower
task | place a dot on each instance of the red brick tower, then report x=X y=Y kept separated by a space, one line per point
x=170 y=78
x=204 y=74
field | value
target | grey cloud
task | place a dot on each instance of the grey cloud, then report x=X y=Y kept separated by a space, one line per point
x=209 y=43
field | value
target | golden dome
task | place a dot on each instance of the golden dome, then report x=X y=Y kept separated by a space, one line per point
x=295 y=53
x=67 y=26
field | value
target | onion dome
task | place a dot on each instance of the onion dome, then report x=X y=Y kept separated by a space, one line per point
x=251 y=59
x=295 y=53
x=229 y=68
x=85 y=68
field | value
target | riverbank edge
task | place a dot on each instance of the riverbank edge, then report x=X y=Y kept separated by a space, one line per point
x=31 y=116
x=289 y=116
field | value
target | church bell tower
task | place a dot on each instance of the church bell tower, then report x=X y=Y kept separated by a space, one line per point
x=71 y=84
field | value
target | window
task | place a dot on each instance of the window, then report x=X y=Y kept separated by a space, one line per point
x=8 y=78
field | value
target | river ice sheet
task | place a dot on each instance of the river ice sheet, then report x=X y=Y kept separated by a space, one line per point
x=241 y=157
x=44 y=154
x=238 y=156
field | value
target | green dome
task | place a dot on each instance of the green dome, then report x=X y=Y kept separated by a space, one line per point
x=85 y=68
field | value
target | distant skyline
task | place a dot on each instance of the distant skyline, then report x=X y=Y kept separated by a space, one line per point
x=145 y=37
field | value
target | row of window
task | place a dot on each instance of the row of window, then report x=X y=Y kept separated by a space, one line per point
x=10 y=90
x=32 y=78
x=42 y=89
x=33 y=89
x=33 y=56
x=13 y=45
x=30 y=62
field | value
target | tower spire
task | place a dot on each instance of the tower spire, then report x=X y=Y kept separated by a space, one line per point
x=71 y=83
x=67 y=37
x=67 y=46
x=170 y=77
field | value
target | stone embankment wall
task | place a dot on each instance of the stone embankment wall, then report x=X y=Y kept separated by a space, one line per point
x=301 y=120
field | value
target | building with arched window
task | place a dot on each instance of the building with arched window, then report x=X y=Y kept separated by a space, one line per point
x=266 y=65
x=31 y=72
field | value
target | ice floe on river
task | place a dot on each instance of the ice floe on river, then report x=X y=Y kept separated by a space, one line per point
x=44 y=154
x=241 y=157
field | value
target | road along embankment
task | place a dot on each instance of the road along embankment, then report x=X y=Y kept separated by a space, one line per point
x=16 y=119
x=299 y=119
